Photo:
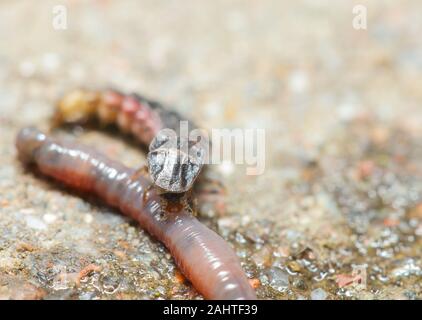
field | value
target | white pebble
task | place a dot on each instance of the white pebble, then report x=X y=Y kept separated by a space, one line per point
x=298 y=81
x=228 y=222
x=49 y=217
x=213 y=110
x=35 y=223
x=279 y=280
x=50 y=61
x=27 y=211
x=318 y=294
x=226 y=168
x=88 y=218
x=347 y=111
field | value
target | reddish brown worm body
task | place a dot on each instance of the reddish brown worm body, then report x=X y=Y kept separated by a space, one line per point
x=203 y=256
x=132 y=113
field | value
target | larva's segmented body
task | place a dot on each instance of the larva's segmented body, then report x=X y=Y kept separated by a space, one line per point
x=203 y=256
x=144 y=118
x=133 y=113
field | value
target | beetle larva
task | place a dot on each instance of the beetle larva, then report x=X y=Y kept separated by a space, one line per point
x=171 y=169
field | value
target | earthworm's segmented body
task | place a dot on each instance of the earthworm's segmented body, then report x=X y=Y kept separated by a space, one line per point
x=203 y=256
x=143 y=118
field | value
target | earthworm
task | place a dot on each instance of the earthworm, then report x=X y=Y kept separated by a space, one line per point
x=144 y=118
x=201 y=254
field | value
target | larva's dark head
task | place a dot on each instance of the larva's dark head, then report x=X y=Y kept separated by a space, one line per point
x=174 y=163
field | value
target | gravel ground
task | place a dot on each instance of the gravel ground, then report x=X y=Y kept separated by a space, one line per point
x=342 y=188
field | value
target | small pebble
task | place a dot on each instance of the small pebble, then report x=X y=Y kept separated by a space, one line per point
x=226 y=168
x=262 y=257
x=318 y=294
x=50 y=61
x=298 y=81
x=49 y=217
x=88 y=218
x=278 y=279
x=27 y=211
x=294 y=266
x=35 y=223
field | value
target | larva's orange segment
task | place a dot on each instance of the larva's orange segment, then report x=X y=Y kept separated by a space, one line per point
x=77 y=106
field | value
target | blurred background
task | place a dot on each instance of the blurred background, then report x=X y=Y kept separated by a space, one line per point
x=341 y=107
